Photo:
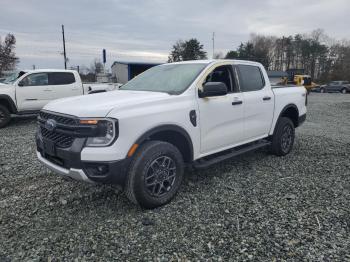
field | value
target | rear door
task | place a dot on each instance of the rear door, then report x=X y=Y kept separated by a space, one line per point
x=221 y=118
x=258 y=102
x=33 y=92
x=64 y=84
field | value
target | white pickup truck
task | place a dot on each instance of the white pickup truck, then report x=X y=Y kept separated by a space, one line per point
x=26 y=92
x=193 y=113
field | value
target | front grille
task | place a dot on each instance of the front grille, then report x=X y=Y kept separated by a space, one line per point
x=58 y=118
x=59 y=139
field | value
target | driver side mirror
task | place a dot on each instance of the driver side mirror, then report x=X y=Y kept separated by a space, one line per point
x=20 y=83
x=211 y=89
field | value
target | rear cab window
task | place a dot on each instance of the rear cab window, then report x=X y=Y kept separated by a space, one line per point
x=250 y=78
x=61 y=78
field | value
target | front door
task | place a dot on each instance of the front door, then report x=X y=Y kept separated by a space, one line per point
x=33 y=92
x=221 y=118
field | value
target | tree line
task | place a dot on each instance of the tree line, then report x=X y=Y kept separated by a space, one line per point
x=320 y=56
x=323 y=58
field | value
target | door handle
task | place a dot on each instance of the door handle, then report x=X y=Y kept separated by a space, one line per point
x=237 y=102
x=267 y=98
x=48 y=90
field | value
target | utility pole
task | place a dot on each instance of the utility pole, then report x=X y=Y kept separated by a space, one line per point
x=104 y=60
x=64 y=49
x=213 y=43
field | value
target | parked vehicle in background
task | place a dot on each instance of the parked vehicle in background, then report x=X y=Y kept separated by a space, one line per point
x=190 y=113
x=334 y=86
x=26 y=92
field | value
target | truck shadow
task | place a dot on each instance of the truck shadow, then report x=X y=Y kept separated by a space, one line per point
x=18 y=121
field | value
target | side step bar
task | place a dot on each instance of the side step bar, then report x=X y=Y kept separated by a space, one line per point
x=210 y=160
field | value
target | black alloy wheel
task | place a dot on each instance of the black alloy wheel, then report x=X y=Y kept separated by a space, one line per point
x=160 y=176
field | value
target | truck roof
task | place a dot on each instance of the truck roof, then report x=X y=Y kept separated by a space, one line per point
x=209 y=61
x=48 y=70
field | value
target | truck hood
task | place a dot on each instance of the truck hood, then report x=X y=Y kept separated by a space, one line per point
x=100 y=104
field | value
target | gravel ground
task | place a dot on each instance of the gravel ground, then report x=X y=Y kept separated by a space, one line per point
x=255 y=207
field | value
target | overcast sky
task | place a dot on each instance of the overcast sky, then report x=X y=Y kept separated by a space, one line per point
x=146 y=30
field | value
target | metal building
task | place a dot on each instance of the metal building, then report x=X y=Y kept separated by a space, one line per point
x=123 y=71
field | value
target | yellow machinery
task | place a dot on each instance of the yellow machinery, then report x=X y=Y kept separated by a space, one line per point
x=304 y=80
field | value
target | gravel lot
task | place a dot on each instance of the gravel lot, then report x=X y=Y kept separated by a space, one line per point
x=254 y=207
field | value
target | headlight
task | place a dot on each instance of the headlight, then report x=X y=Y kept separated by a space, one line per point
x=107 y=131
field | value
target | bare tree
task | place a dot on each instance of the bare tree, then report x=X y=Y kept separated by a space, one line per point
x=8 y=59
x=218 y=55
x=96 y=67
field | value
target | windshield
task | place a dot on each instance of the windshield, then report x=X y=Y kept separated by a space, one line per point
x=171 y=78
x=12 y=77
x=334 y=83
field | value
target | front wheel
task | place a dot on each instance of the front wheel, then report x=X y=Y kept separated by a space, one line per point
x=283 y=137
x=5 y=116
x=322 y=90
x=155 y=174
x=343 y=91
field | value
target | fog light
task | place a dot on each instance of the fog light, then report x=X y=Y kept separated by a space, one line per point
x=103 y=169
x=96 y=169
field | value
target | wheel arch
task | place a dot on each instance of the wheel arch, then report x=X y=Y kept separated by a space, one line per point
x=8 y=102
x=172 y=134
x=291 y=111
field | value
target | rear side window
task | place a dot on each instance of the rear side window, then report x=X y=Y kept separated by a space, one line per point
x=61 y=78
x=250 y=78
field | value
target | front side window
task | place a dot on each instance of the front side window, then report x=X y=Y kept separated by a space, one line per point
x=223 y=74
x=61 y=78
x=171 y=78
x=39 y=79
x=250 y=78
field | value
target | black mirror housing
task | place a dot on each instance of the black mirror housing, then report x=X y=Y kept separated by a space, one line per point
x=211 y=89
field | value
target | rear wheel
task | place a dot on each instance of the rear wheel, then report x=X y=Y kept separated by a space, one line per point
x=5 y=116
x=343 y=91
x=322 y=90
x=155 y=174
x=283 y=137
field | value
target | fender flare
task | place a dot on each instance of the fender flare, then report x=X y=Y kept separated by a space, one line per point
x=284 y=110
x=161 y=128
x=8 y=99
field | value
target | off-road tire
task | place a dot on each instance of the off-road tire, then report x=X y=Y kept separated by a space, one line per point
x=283 y=137
x=5 y=116
x=146 y=155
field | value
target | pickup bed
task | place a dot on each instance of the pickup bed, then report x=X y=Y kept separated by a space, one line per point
x=193 y=113
x=26 y=92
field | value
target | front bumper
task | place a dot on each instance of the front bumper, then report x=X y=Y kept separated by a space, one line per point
x=76 y=174
x=67 y=162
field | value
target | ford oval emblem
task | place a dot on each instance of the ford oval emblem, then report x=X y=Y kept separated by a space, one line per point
x=50 y=125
